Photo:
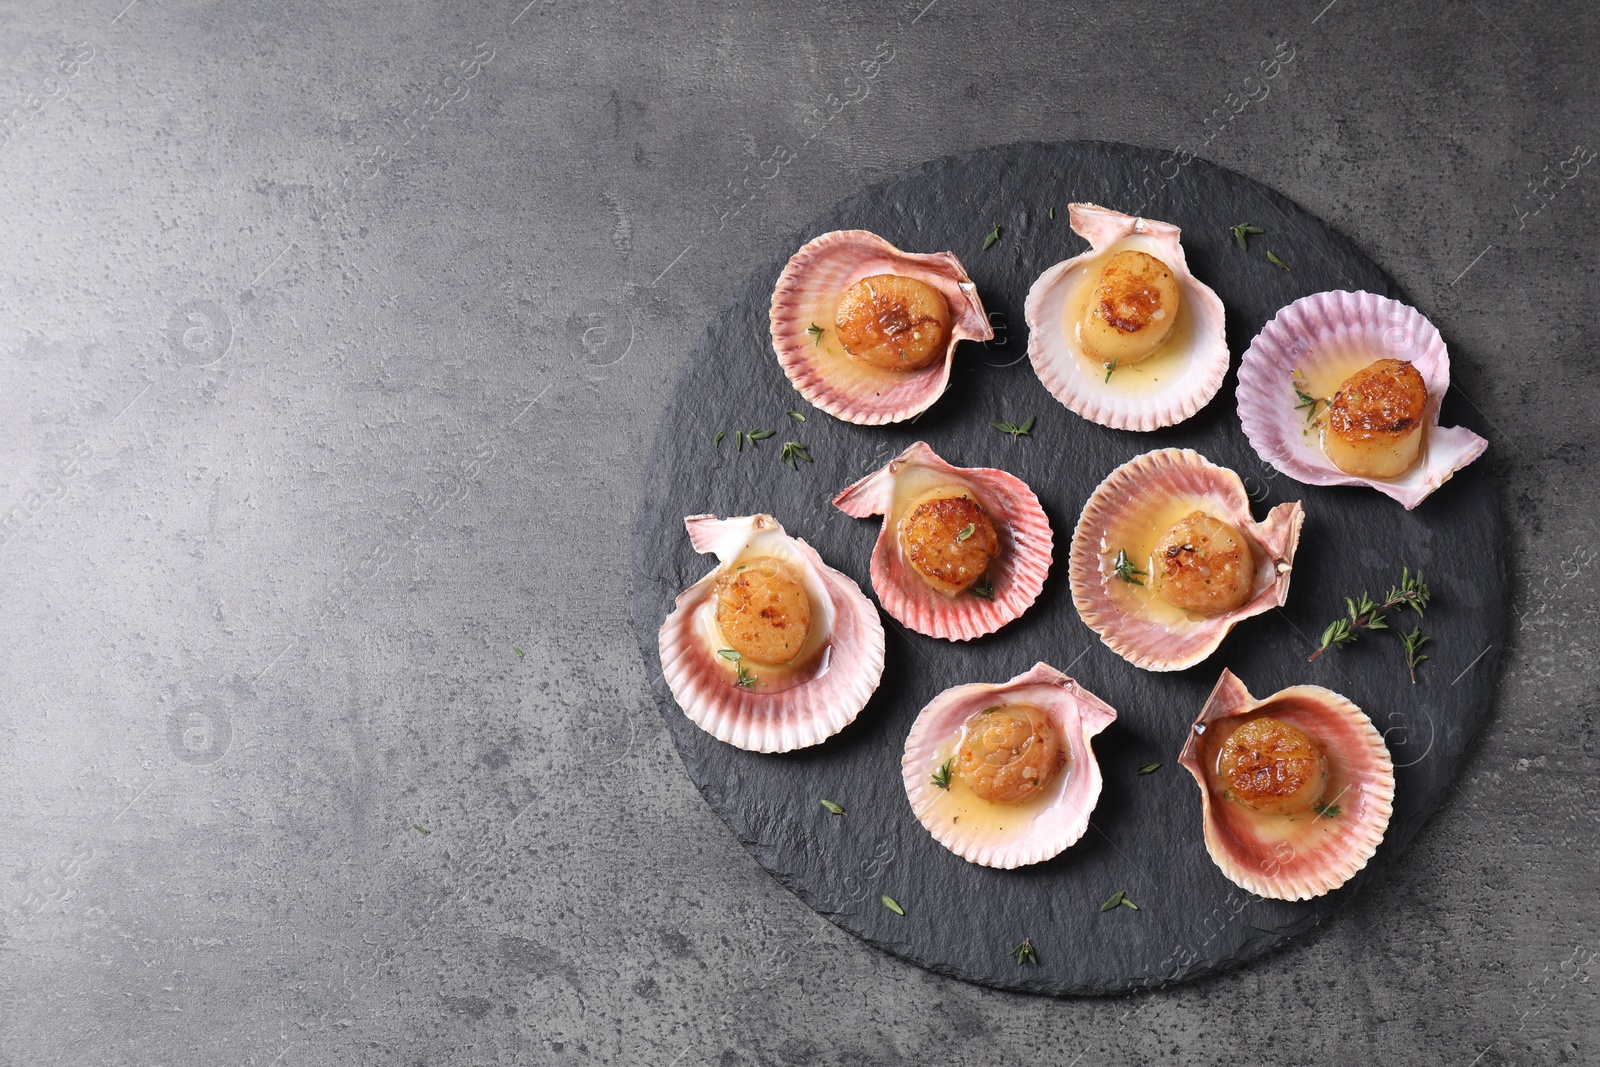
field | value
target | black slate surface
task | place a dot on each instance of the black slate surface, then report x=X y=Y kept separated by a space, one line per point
x=1145 y=836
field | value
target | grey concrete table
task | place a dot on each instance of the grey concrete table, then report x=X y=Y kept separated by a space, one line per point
x=331 y=340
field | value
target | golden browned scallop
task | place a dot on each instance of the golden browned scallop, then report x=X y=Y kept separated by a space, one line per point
x=1132 y=310
x=1009 y=753
x=1204 y=565
x=893 y=322
x=1272 y=767
x=764 y=611
x=1373 y=425
x=949 y=541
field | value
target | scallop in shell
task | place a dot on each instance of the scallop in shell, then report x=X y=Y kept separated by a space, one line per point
x=1344 y=388
x=962 y=550
x=1166 y=558
x=1296 y=790
x=867 y=332
x=1003 y=775
x=1123 y=334
x=773 y=650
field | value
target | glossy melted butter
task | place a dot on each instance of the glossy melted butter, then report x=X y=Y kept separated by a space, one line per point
x=1156 y=371
x=960 y=806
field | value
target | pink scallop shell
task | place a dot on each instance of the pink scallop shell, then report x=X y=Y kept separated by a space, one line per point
x=769 y=721
x=856 y=392
x=1164 y=474
x=1063 y=817
x=1317 y=327
x=1075 y=380
x=1017 y=574
x=1342 y=844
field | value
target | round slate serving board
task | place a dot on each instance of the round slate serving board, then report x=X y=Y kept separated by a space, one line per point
x=1145 y=837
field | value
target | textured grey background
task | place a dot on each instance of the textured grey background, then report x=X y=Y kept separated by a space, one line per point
x=331 y=340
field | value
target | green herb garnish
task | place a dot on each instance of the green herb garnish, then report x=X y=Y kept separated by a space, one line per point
x=982 y=589
x=517 y=650
x=1111 y=368
x=738 y=439
x=1413 y=642
x=893 y=905
x=1148 y=768
x=1241 y=232
x=759 y=435
x=1015 y=431
x=1412 y=592
x=421 y=829
x=1052 y=213
x=745 y=679
x=1272 y=257
x=967 y=531
x=994 y=235
x=1126 y=570
x=1329 y=811
x=1126 y=903
x=1308 y=402
x=833 y=808
x=1024 y=953
x=716 y=442
x=816 y=334
x=796 y=416
x=941 y=777
x=1116 y=898
x=793 y=450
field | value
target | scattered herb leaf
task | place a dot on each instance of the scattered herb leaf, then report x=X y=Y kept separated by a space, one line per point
x=1052 y=213
x=794 y=450
x=941 y=777
x=982 y=589
x=760 y=435
x=1126 y=570
x=1272 y=257
x=893 y=905
x=745 y=679
x=1241 y=232
x=967 y=531
x=1014 y=430
x=1412 y=592
x=1330 y=811
x=1024 y=952
x=796 y=416
x=816 y=334
x=1116 y=898
x=1413 y=643
x=1308 y=402
x=994 y=235
x=1126 y=903
x=1148 y=768
x=421 y=829
x=1111 y=368
x=738 y=439
x=517 y=650
x=716 y=442
x=833 y=808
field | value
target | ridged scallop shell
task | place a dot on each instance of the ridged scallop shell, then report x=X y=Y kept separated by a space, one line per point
x=1323 y=327
x=1061 y=815
x=1142 y=630
x=808 y=293
x=1017 y=574
x=1328 y=848
x=785 y=719
x=1079 y=382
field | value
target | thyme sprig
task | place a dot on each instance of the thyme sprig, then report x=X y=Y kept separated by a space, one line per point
x=745 y=679
x=1326 y=810
x=1111 y=368
x=1412 y=592
x=1126 y=570
x=983 y=589
x=1024 y=952
x=1242 y=232
x=816 y=334
x=1309 y=403
x=792 y=451
x=1016 y=431
x=1413 y=643
x=941 y=777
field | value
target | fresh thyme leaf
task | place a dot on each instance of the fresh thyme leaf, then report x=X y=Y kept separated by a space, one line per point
x=1116 y=898
x=730 y=653
x=982 y=589
x=1272 y=257
x=1014 y=430
x=1126 y=903
x=1328 y=811
x=1027 y=427
x=1126 y=570
x=716 y=442
x=816 y=334
x=833 y=808
x=517 y=650
x=796 y=416
x=759 y=435
x=738 y=439
x=941 y=777
x=967 y=531
x=893 y=905
x=421 y=829
x=1052 y=213
x=1308 y=402
x=1148 y=768
x=1024 y=952
x=1413 y=643
x=994 y=235
x=794 y=450
x=1111 y=368
x=1241 y=231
